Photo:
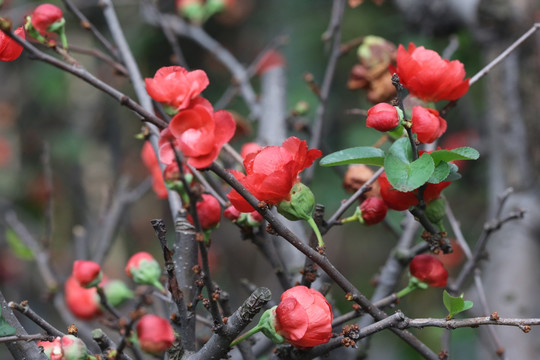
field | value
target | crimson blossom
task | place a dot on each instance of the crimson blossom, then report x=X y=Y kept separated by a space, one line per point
x=9 y=49
x=155 y=334
x=429 y=77
x=208 y=211
x=198 y=132
x=429 y=269
x=44 y=16
x=82 y=302
x=427 y=124
x=304 y=317
x=176 y=87
x=272 y=172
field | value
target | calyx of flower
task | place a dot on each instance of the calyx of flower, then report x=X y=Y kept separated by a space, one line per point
x=144 y=269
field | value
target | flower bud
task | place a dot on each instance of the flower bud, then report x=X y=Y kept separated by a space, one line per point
x=155 y=334
x=383 y=117
x=232 y=213
x=209 y=212
x=429 y=270
x=83 y=303
x=87 y=273
x=254 y=218
x=436 y=210
x=427 y=124
x=144 y=269
x=303 y=317
x=44 y=16
x=301 y=204
x=68 y=347
x=394 y=199
x=373 y=210
x=9 y=49
x=116 y=292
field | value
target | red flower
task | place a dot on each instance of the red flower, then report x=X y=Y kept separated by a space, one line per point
x=151 y=162
x=272 y=172
x=83 y=303
x=304 y=317
x=9 y=49
x=175 y=86
x=429 y=269
x=427 y=124
x=44 y=16
x=68 y=347
x=382 y=117
x=209 y=212
x=394 y=199
x=373 y=210
x=248 y=148
x=429 y=77
x=200 y=133
x=87 y=273
x=155 y=334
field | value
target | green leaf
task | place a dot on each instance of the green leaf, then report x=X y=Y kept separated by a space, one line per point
x=462 y=153
x=403 y=173
x=17 y=246
x=358 y=155
x=5 y=328
x=440 y=173
x=455 y=305
x=454 y=175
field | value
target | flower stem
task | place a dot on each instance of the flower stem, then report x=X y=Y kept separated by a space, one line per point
x=315 y=228
x=406 y=290
x=243 y=337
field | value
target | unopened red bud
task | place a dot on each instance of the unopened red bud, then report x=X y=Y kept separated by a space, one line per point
x=383 y=117
x=44 y=16
x=144 y=269
x=155 y=334
x=429 y=270
x=373 y=210
x=87 y=273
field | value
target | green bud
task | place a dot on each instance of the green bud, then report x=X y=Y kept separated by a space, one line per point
x=116 y=292
x=436 y=210
x=301 y=205
x=194 y=12
x=215 y=6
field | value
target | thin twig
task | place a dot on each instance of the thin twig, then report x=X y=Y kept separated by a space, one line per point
x=38 y=320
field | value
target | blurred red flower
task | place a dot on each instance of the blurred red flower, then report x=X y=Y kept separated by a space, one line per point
x=82 y=302
x=272 y=172
x=429 y=269
x=155 y=334
x=9 y=49
x=209 y=212
x=150 y=160
x=429 y=77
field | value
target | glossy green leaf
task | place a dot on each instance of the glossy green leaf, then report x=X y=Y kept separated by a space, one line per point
x=5 y=328
x=358 y=155
x=455 y=305
x=462 y=153
x=17 y=246
x=403 y=173
x=440 y=173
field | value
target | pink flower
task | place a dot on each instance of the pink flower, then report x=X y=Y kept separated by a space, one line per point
x=200 y=133
x=175 y=86
x=155 y=334
x=9 y=49
x=304 y=317
x=373 y=210
x=427 y=124
x=272 y=172
x=429 y=269
x=44 y=16
x=87 y=273
x=383 y=117
x=429 y=77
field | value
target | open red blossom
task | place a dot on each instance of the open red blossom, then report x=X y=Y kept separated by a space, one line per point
x=9 y=49
x=82 y=302
x=155 y=334
x=399 y=200
x=427 y=124
x=209 y=212
x=272 y=172
x=199 y=133
x=248 y=148
x=429 y=269
x=87 y=273
x=373 y=210
x=382 y=117
x=175 y=86
x=304 y=317
x=150 y=160
x=429 y=77
x=44 y=16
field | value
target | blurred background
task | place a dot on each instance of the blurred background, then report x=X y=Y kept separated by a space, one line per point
x=67 y=150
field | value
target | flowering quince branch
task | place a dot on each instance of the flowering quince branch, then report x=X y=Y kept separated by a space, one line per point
x=320 y=260
x=25 y=309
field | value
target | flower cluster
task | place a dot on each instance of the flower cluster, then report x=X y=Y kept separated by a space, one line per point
x=195 y=129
